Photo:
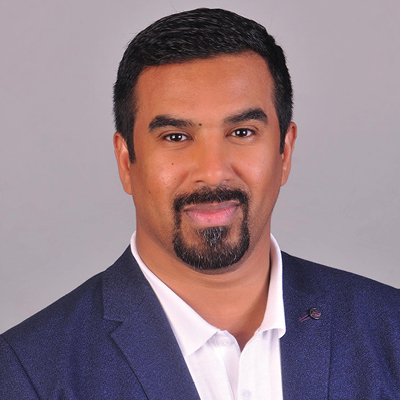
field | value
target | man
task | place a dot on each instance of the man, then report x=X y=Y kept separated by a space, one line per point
x=203 y=304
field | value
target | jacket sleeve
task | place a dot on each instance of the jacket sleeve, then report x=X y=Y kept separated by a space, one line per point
x=14 y=381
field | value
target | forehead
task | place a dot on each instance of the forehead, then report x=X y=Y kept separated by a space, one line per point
x=218 y=83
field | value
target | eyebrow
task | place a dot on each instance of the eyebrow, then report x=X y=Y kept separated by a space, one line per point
x=161 y=121
x=252 y=113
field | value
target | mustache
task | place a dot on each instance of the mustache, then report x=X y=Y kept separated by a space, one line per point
x=208 y=195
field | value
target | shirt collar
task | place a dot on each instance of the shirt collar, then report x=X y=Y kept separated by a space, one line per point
x=190 y=329
x=274 y=317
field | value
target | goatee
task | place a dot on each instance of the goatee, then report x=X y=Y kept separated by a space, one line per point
x=214 y=251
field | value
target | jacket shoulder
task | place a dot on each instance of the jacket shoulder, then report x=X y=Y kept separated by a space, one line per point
x=81 y=307
x=62 y=323
x=67 y=347
x=317 y=277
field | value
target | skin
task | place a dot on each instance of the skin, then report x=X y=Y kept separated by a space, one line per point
x=201 y=144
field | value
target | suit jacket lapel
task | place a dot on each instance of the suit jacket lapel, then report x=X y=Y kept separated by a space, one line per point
x=305 y=347
x=145 y=336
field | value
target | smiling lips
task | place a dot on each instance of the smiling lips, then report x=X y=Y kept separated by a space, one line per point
x=212 y=214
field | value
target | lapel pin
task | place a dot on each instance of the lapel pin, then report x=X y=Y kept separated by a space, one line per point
x=313 y=313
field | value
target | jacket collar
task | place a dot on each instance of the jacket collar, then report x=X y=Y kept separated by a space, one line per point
x=305 y=348
x=144 y=335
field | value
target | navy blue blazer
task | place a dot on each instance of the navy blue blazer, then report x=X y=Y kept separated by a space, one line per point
x=110 y=339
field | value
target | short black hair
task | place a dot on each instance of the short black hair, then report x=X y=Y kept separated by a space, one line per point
x=197 y=34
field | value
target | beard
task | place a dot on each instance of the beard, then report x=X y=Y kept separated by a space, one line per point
x=213 y=250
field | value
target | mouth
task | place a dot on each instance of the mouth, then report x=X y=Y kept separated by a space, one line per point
x=212 y=214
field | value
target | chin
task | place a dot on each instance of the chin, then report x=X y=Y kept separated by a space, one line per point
x=215 y=249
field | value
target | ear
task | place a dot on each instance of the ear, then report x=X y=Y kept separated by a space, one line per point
x=290 y=139
x=124 y=165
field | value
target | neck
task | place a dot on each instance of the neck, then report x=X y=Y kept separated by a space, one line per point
x=234 y=300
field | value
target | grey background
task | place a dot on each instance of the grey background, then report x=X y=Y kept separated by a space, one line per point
x=64 y=216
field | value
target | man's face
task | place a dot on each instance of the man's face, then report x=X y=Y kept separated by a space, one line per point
x=208 y=167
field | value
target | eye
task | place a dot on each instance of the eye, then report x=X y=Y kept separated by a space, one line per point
x=242 y=133
x=175 y=137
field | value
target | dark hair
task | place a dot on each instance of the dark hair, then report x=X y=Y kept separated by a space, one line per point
x=201 y=33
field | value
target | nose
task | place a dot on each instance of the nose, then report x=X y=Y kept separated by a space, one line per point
x=212 y=164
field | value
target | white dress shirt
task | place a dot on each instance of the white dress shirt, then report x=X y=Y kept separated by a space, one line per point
x=219 y=369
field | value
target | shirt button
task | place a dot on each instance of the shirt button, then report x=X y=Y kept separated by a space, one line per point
x=225 y=342
x=246 y=394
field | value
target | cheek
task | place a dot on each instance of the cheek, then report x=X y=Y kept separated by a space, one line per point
x=262 y=171
x=164 y=180
x=264 y=181
x=154 y=185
